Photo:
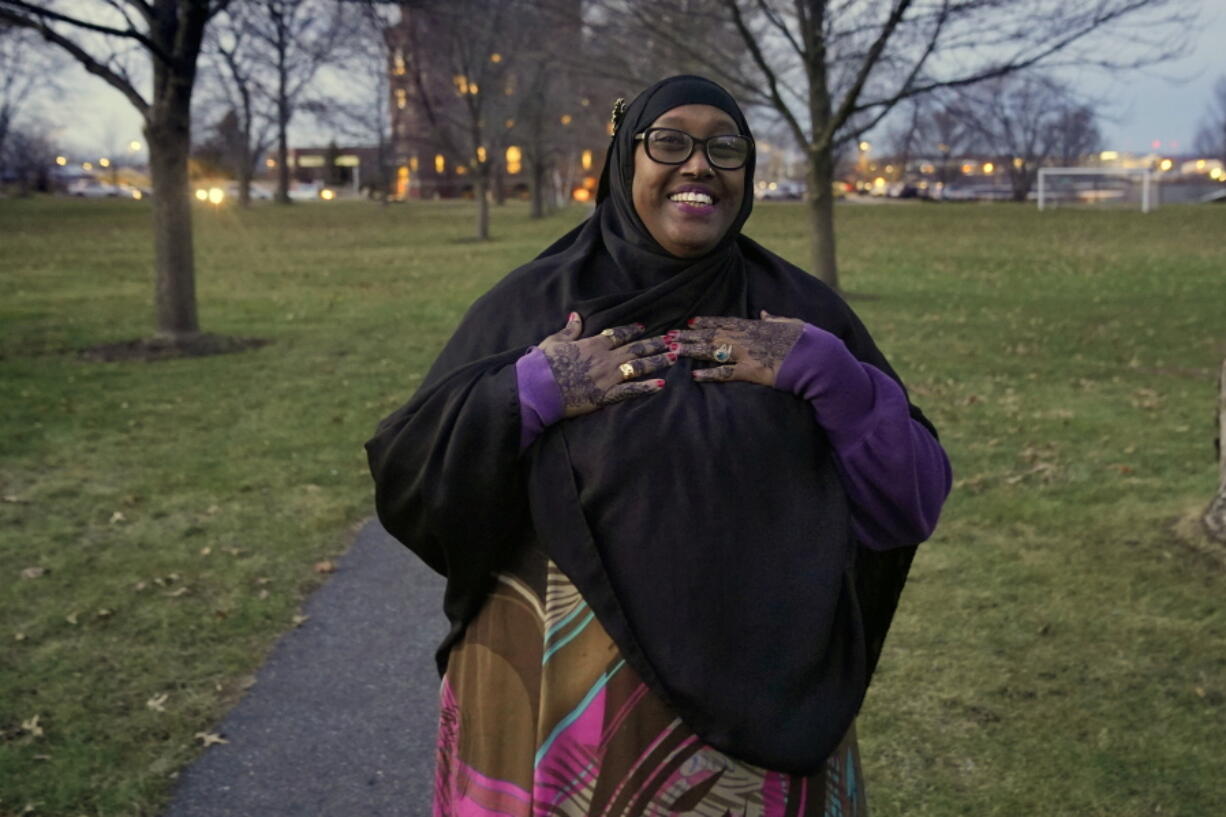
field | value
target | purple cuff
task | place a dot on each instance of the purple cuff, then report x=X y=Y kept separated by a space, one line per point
x=540 y=399
x=895 y=472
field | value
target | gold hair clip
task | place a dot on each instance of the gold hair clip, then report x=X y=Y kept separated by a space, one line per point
x=619 y=113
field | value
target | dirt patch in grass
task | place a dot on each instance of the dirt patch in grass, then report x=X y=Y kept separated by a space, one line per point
x=152 y=349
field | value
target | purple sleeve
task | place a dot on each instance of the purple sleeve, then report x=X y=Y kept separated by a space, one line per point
x=540 y=399
x=896 y=473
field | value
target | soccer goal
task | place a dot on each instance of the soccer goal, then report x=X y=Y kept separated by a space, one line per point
x=1128 y=187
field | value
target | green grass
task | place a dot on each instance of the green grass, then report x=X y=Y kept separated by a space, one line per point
x=1060 y=651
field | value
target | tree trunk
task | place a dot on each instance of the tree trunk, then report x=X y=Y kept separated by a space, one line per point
x=480 y=184
x=282 y=156
x=1215 y=515
x=500 y=191
x=169 y=141
x=820 y=203
x=538 y=189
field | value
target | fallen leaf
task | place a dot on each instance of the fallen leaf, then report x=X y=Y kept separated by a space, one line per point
x=210 y=738
x=1200 y=692
x=14 y=499
x=263 y=580
x=104 y=613
x=33 y=572
x=140 y=585
x=174 y=594
x=42 y=757
x=213 y=509
x=158 y=702
x=31 y=726
x=263 y=594
x=326 y=566
x=234 y=551
x=117 y=517
x=71 y=618
x=205 y=551
x=19 y=636
x=299 y=620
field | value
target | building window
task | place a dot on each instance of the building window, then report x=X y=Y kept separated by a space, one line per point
x=402 y=98
x=398 y=65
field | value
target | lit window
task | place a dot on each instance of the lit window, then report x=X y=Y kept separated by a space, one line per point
x=566 y=119
x=586 y=160
x=440 y=164
x=413 y=163
x=398 y=65
x=481 y=154
x=402 y=98
x=514 y=160
x=495 y=57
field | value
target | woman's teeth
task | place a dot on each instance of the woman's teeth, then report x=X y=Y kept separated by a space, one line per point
x=691 y=198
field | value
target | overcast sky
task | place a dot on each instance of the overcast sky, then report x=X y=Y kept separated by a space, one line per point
x=1163 y=104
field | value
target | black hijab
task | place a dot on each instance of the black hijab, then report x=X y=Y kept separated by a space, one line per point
x=705 y=525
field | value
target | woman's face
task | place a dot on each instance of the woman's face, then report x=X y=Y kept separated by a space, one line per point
x=692 y=227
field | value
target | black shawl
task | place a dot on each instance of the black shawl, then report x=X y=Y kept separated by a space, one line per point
x=706 y=525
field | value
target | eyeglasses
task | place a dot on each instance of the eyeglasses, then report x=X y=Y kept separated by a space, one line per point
x=669 y=146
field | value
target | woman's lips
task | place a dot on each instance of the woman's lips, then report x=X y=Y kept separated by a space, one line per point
x=690 y=208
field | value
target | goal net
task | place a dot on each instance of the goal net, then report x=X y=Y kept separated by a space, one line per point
x=1097 y=187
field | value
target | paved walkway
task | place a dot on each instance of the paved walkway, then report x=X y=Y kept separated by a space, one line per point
x=341 y=720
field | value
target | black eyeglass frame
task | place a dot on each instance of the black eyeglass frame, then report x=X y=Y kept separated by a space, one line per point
x=695 y=142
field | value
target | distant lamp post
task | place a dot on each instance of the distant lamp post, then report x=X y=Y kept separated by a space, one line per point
x=87 y=165
x=495 y=57
x=988 y=168
x=216 y=196
x=61 y=160
x=864 y=147
x=104 y=162
x=134 y=146
x=586 y=160
x=1165 y=164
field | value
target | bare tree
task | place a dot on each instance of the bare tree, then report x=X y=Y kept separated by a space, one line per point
x=1076 y=134
x=833 y=69
x=26 y=68
x=1211 y=138
x=170 y=33
x=297 y=38
x=461 y=58
x=231 y=51
x=365 y=112
x=1023 y=121
x=28 y=155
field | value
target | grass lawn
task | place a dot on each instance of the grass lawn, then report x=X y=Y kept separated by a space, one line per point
x=1060 y=649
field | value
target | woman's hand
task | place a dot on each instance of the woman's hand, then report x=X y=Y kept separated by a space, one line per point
x=748 y=350
x=593 y=372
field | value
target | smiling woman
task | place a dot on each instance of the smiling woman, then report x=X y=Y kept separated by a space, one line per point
x=675 y=530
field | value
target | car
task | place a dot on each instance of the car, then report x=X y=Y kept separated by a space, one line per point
x=92 y=189
x=1216 y=197
x=781 y=191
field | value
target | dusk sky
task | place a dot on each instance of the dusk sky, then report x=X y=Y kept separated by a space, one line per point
x=1163 y=104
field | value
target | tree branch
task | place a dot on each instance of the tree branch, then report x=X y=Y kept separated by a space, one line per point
x=771 y=79
x=87 y=60
x=44 y=14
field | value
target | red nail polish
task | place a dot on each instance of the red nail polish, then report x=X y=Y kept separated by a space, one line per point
x=691 y=321
x=574 y=316
x=676 y=347
x=670 y=334
x=672 y=356
x=659 y=384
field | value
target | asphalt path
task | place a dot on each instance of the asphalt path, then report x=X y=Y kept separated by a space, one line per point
x=341 y=720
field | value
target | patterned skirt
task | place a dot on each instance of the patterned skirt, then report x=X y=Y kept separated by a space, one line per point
x=541 y=715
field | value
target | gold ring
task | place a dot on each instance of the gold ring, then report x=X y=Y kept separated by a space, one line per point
x=609 y=333
x=627 y=370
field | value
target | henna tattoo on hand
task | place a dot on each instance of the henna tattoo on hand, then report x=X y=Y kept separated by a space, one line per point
x=769 y=343
x=572 y=371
